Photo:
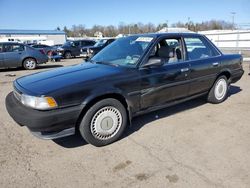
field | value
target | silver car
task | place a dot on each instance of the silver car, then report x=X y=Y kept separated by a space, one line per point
x=20 y=55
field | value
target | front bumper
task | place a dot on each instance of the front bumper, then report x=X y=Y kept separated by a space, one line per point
x=43 y=123
x=60 y=52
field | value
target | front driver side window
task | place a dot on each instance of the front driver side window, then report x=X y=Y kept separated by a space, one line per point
x=169 y=50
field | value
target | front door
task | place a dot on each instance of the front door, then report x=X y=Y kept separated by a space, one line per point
x=76 y=48
x=160 y=85
x=164 y=84
x=12 y=54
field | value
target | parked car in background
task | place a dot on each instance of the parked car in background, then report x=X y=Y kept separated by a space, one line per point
x=90 y=51
x=47 y=49
x=73 y=48
x=57 y=46
x=20 y=55
x=134 y=75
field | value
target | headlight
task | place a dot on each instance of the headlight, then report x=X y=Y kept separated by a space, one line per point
x=90 y=51
x=40 y=103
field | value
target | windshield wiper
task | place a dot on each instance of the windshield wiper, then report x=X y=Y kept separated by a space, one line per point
x=104 y=63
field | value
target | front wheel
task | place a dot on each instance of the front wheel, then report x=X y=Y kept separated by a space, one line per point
x=67 y=55
x=104 y=122
x=219 y=91
x=29 y=64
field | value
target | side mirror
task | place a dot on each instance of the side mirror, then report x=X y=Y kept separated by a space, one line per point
x=154 y=62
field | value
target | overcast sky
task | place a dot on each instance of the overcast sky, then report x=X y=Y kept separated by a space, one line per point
x=48 y=14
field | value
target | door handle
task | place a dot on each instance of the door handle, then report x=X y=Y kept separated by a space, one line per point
x=184 y=69
x=215 y=64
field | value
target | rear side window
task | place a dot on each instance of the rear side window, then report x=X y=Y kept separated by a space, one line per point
x=42 y=46
x=36 y=46
x=89 y=43
x=13 y=48
x=198 y=48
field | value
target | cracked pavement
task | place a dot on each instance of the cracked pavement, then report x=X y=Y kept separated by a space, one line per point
x=194 y=144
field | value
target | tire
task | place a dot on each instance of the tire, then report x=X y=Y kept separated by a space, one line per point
x=67 y=55
x=219 y=92
x=104 y=122
x=29 y=64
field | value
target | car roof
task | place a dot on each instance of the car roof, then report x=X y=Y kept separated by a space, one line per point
x=172 y=34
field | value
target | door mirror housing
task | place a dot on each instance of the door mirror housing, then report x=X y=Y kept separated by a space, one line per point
x=154 y=62
x=73 y=44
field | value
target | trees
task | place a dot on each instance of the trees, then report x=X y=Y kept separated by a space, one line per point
x=135 y=28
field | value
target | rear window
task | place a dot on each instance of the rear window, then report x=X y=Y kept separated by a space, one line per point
x=198 y=48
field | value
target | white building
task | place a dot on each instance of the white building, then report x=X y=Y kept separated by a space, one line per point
x=49 y=37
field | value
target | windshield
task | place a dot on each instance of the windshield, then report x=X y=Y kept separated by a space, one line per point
x=100 y=43
x=124 y=51
x=68 y=43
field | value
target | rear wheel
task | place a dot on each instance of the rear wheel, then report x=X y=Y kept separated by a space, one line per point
x=67 y=55
x=219 y=91
x=104 y=122
x=29 y=64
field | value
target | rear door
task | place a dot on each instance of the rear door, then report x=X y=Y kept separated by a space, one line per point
x=13 y=54
x=1 y=56
x=205 y=63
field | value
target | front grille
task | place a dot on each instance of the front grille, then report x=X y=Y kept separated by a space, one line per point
x=17 y=94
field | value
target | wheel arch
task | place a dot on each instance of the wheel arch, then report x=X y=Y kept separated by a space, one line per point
x=67 y=51
x=225 y=72
x=93 y=100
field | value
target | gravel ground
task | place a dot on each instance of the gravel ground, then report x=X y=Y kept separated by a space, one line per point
x=194 y=144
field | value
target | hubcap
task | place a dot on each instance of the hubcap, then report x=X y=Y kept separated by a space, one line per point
x=106 y=123
x=220 y=89
x=30 y=64
x=68 y=55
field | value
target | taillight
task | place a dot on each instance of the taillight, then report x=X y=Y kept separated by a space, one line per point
x=42 y=51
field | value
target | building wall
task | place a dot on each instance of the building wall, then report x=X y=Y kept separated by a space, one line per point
x=58 y=39
x=237 y=39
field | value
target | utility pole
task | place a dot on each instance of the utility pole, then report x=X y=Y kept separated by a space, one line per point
x=188 y=22
x=233 y=14
x=167 y=25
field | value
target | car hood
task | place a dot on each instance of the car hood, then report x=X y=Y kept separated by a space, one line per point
x=49 y=81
